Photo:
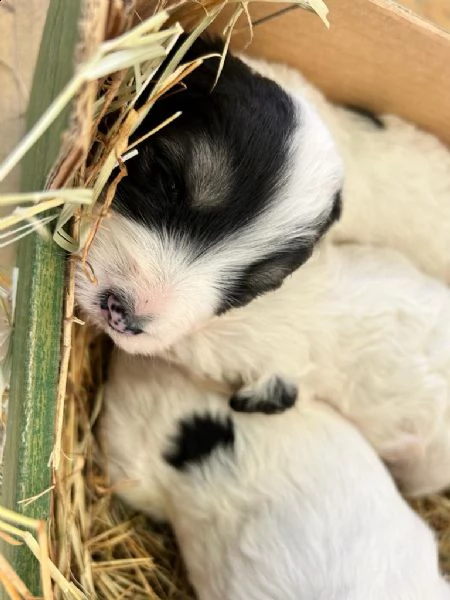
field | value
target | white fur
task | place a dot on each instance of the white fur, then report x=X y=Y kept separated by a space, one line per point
x=397 y=180
x=300 y=508
x=361 y=328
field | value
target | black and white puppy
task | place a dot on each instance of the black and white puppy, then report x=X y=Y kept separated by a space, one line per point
x=223 y=204
x=288 y=507
x=218 y=207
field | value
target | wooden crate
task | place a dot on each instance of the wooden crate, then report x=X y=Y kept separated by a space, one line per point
x=38 y=320
x=375 y=55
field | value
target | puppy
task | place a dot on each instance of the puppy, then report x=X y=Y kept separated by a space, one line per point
x=285 y=507
x=218 y=207
x=397 y=178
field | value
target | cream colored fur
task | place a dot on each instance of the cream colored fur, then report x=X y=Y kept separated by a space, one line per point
x=303 y=508
x=360 y=327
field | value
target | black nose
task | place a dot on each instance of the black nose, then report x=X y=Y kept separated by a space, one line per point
x=118 y=312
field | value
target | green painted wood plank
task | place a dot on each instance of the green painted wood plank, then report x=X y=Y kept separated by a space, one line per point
x=36 y=342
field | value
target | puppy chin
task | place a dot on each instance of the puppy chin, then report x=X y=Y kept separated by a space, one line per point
x=146 y=344
x=143 y=344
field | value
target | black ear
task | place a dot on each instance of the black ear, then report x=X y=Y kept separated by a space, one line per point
x=269 y=274
x=264 y=276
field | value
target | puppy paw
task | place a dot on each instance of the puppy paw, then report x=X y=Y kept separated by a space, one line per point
x=270 y=396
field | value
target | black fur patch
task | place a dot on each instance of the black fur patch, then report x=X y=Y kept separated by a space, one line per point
x=367 y=114
x=268 y=274
x=336 y=212
x=246 y=117
x=197 y=438
x=278 y=397
x=263 y=276
x=335 y=215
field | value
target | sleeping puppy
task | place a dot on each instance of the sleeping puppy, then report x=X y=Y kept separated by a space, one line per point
x=397 y=178
x=218 y=207
x=230 y=198
x=217 y=210
x=284 y=507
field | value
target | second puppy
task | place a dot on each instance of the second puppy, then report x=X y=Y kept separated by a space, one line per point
x=276 y=507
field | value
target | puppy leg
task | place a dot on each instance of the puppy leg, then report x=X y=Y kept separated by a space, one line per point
x=270 y=395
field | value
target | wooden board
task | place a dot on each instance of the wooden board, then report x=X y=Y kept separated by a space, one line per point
x=376 y=54
x=36 y=347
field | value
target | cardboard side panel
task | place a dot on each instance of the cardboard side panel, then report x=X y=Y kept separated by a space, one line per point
x=375 y=54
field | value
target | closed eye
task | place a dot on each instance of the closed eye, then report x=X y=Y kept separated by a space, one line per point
x=164 y=181
x=174 y=190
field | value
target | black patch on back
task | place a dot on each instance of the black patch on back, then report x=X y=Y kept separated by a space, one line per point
x=367 y=114
x=196 y=439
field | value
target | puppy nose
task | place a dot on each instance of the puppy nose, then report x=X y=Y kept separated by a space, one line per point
x=118 y=313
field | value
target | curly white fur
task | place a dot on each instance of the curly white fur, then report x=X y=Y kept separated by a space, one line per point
x=299 y=507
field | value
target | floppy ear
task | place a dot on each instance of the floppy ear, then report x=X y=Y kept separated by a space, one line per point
x=264 y=276
x=269 y=274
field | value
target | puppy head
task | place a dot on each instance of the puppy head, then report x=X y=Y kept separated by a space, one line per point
x=218 y=207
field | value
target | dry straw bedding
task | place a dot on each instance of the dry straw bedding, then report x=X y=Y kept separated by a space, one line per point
x=92 y=547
